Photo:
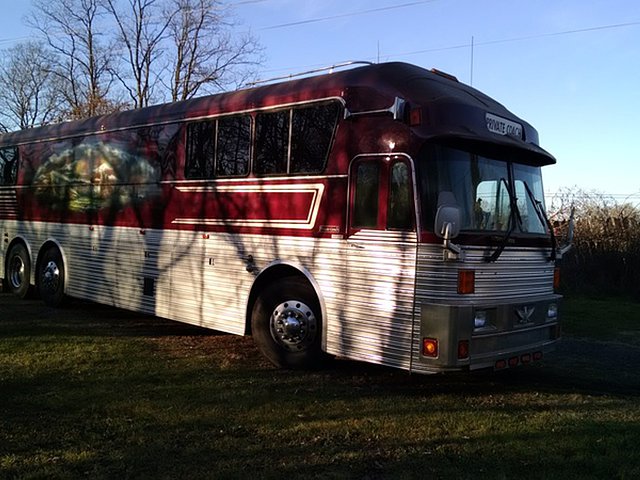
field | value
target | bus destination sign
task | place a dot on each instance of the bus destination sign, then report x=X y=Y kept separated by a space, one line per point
x=502 y=126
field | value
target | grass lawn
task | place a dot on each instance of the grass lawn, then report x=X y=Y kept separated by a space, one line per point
x=90 y=391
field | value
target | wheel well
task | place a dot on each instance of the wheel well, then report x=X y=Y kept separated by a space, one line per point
x=272 y=274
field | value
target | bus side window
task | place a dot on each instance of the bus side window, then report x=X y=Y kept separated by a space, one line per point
x=233 y=146
x=367 y=187
x=8 y=166
x=312 y=132
x=272 y=142
x=200 y=143
x=400 y=209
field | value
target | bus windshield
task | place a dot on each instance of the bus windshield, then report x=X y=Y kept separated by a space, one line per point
x=485 y=189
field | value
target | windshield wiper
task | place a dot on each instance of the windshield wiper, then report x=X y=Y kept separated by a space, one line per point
x=544 y=219
x=515 y=212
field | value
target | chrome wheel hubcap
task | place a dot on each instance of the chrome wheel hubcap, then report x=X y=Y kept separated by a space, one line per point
x=293 y=325
x=51 y=277
x=16 y=272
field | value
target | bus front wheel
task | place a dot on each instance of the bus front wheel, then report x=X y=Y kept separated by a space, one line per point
x=18 y=271
x=286 y=324
x=51 y=277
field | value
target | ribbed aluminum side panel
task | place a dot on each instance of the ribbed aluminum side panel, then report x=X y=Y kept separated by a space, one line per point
x=8 y=203
x=519 y=272
x=366 y=283
x=374 y=310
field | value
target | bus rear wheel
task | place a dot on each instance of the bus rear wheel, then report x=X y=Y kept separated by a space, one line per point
x=18 y=271
x=286 y=324
x=51 y=277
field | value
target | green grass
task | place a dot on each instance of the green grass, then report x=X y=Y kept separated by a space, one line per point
x=602 y=318
x=90 y=391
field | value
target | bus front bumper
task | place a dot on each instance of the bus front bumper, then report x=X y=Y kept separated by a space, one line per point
x=488 y=335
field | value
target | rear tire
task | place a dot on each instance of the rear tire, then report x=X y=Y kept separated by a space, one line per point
x=18 y=271
x=286 y=324
x=51 y=277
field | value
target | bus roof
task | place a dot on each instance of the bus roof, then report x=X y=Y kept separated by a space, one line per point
x=453 y=113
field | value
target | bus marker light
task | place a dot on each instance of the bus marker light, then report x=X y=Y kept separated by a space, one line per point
x=513 y=361
x=463 y=349
x=556 y=278
x=466 y=281
x=415 y=117
x=500 y=364
x=526 y=358
x=537 y=356
x=430 y=347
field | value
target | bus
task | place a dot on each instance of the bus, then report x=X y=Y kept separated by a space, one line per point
x=383 y=213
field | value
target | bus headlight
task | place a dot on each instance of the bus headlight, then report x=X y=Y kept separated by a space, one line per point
x=480 y=319
x=552 y=311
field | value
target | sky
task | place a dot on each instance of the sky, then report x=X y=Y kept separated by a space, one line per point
x=571 y=68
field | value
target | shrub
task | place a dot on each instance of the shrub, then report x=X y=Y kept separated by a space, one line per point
x=605 y=258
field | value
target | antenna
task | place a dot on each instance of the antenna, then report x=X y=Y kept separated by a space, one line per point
x=471 y=83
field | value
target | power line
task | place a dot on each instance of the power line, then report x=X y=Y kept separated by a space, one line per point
x=345 y=15
x=519 y=39
x=485 y=43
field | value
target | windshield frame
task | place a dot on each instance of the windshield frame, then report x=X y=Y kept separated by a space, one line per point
x=511 y=211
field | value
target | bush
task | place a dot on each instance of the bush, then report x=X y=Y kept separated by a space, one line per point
x=605 y=258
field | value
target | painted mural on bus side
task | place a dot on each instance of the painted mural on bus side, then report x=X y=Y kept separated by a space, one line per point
x=91 y=176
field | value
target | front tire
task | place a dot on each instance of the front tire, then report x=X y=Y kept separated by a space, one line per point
x=18 y=271
x=51 y=277
x=286 y=324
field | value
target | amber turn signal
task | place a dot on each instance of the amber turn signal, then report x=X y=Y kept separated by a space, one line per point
x=466 y=281
x=430 y=347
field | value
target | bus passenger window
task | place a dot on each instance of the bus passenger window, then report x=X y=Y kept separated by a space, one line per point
x=200 y=142
x=365 y=208
x=234 y=140
x=8 y=166
x=272 y=142
x=312 y=132
x=399 y=210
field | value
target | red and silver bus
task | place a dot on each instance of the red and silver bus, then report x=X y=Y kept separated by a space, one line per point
x=384 y=213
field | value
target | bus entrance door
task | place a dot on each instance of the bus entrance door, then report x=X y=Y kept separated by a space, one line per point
x=380 y=260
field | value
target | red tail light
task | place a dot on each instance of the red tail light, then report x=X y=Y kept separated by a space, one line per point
x=463 y=349
x=556 y=278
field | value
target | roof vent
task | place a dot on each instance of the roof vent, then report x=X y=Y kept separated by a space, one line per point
x=444 y=74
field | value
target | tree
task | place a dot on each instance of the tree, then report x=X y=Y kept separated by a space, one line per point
x=107 y=55
x=205 y=56
x=29 y=90
x=72 y=29
x=605 y=257
x=140 y=36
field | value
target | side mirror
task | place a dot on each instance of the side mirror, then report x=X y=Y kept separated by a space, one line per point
x=447 y=223
x=398 y=108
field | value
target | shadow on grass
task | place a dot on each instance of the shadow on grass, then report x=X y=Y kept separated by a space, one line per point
x=99 y=392
x=579 y=365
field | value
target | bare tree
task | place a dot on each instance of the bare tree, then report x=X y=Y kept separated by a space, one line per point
x=146 y=50
x=72 y=31
x=29 y=93
x=141 y=31
x=205 y=55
